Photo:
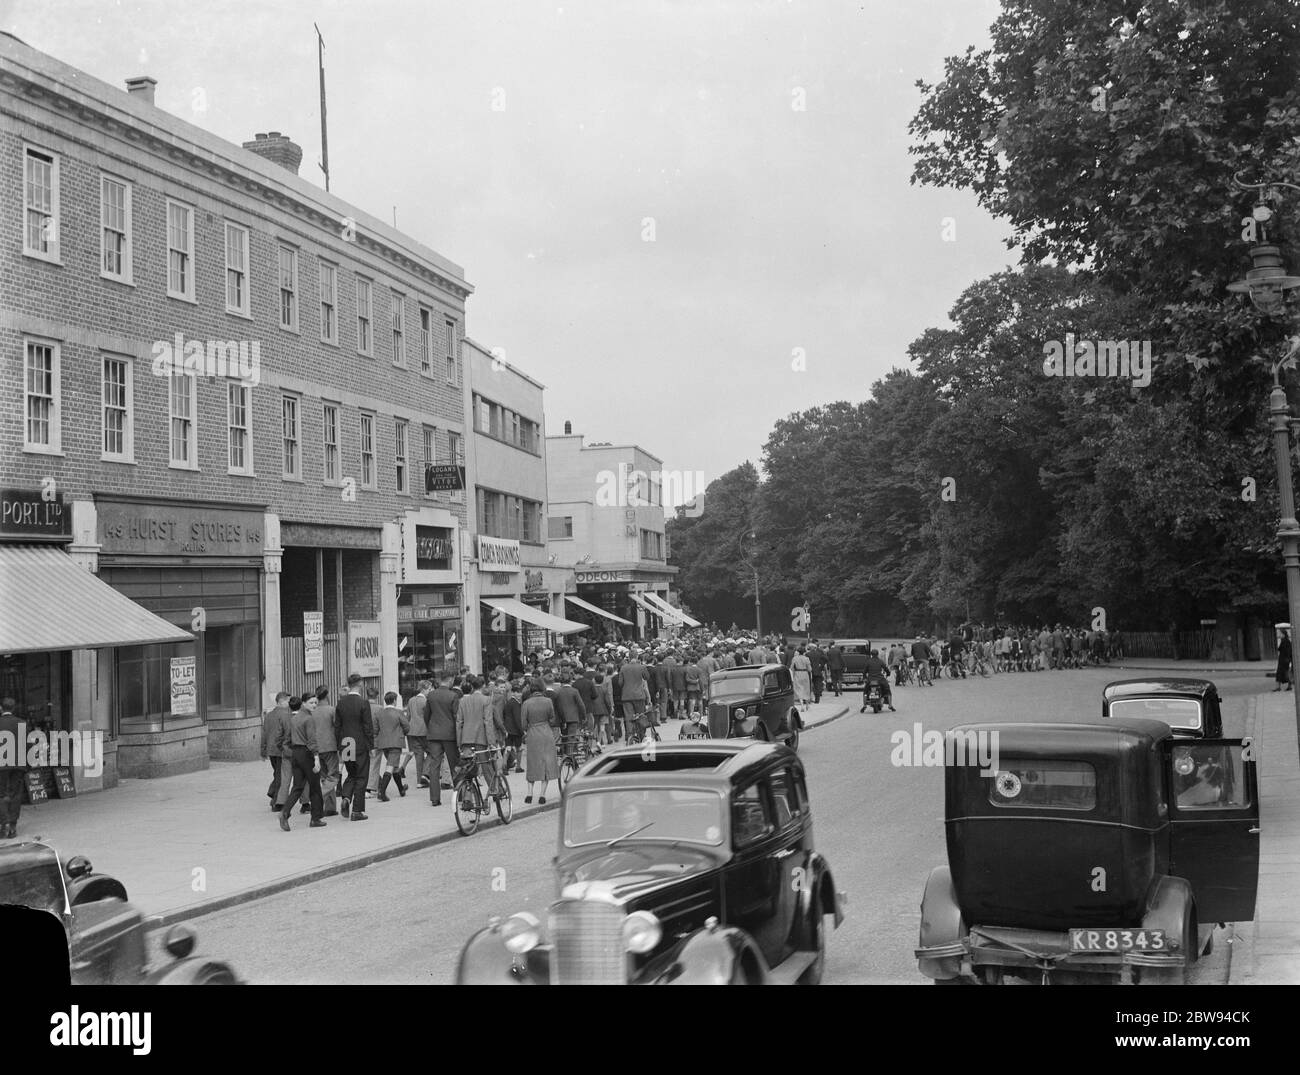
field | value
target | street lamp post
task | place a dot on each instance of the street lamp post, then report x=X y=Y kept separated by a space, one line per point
x=753 y=563
x=1267 y=283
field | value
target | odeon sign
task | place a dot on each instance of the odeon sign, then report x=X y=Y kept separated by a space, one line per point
x=603 y=576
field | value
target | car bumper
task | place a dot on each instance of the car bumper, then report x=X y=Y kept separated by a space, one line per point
x=987 y=946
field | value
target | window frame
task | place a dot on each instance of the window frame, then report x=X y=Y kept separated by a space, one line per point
x=54 y=421
x=453 y=365
x=231 y=388
x=193 y=439
x=326 y=407
x=397 y=313
x=295 y=400
x=369 y=319
x=566 y=520
x=54 y=254
x=426 y=341
x=188 y=295
x=366 y=430
x=294 y=293
x=246 y=309
x=127 y=275
x=127 y=455
x=402 y=455
x=333 y=305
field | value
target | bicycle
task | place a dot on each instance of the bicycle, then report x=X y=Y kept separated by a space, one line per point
x=574 y=751
x=982 y=666
x=904 y=676
x=921 y=672
x=470 y=797
x=637 y=732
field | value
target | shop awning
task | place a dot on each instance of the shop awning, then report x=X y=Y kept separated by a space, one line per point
x=50 y=603
x=655 y=599
x=667 y=617
x=580 y=603
x=535 y=616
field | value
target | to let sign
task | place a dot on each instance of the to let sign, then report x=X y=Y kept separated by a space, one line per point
x=184 y=686
x=364 y=657
x=26 y=513
x=313 y=641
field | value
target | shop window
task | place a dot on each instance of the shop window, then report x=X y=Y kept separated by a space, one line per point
x=144 y=688
x=232 y=670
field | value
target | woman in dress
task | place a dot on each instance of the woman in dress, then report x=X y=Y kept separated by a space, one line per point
x=801 y=670
x=1283 y=673
x=537 y=714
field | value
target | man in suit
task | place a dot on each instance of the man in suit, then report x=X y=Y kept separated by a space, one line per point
x=569 y=707
x=273 y=724
x=835 y=665
x=440 y=734
x=477 y=726
x=635 y=691
x=416 y=731
x=355 y=733
x=661 y=672
x=306 y=764
x=586 y=688
x=391 y=727
x=13 y=771
x=328 y=748
x=677 y=684
x=758 y=654
x=818 y=661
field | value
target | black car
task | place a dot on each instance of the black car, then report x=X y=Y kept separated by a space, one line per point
x=684 y=863
x=107 y=937
x=1189 y=706
x=1087 y=850
x=754 y=700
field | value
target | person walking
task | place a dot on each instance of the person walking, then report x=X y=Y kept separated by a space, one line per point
x=602 y=703
x=538 y=716
x=477 y=728
x=416 y=731
x=273 y=727
x=354 y=730
x=663 y=681
x=1283 y=672
x=306 y=764
x=801 y=673
x=391 y=728
x=376 y=755
x=13 y=770
x=677 y=685
x=818 y=661
x=636 y=694
x=440 y=740
x=328 y=748
x=569 y=708
x=835 y=665
x=511 y=719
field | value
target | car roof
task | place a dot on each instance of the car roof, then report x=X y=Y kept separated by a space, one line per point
x=715 y=763
x=723 y=673
x=1136 y=688
x=1064 y=739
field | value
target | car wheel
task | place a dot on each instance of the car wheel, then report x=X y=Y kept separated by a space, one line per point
x=792 y=741
x=215 y=975
x=817 y=936
x=760 y=731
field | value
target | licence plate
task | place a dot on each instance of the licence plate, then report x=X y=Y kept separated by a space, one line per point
x=1117 y=940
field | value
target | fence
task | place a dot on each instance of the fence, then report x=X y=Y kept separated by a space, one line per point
x=1189 y=645
x=334 y=668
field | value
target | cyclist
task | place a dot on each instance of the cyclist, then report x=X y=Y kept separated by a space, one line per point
x=921 y=658
x=956 y=651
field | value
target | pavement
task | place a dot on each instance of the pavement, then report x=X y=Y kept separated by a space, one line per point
x=189 y=845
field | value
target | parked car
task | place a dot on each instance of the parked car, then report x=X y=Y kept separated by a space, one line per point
x=754 y=700
x=855 y=651
x=1092 y=849
x=1189 y=706
x=689 y=864
x=107 y=937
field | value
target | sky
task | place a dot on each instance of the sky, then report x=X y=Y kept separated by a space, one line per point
x=688 y=220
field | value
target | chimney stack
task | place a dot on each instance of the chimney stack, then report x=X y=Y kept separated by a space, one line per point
x=568 y=429
x=141 y=88
x=278 y=149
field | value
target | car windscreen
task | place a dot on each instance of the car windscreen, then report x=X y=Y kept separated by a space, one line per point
x=736 y=685
x=686 y=814
x=38 y=886
x=1035 y=785
x=1176 y=712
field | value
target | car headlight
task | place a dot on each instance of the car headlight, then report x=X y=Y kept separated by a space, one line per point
x=641 y=932
x=179 y=941
x=740 y=713
x=521 y=933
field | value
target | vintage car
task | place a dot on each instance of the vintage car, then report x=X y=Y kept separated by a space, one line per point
x=754 y=700
x=855 y=652
x=1189 y=706
x=684 y=863
x=107 y=937
x=1086 y=850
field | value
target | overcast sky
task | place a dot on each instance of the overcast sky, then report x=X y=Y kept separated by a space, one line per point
x=530 y=143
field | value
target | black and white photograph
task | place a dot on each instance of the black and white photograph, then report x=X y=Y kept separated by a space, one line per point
x=649 y=492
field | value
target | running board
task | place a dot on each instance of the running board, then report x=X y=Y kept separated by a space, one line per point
x=788 y=972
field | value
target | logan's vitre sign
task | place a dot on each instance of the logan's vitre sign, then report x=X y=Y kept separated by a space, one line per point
x=146 y=528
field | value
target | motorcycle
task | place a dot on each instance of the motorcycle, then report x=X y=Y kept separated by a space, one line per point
x=874 y=696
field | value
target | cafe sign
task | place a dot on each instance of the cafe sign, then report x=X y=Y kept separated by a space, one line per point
x=498 y=554
x=34 y=514
x=164 y=528
x=434 y=548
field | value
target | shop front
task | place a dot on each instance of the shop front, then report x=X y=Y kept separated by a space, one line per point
x=430 y=617
x=196 y=566
x=61 y=630
x=620 y=591
x=521 y=608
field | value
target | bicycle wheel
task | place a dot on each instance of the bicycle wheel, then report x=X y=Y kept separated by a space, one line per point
x=568 y=767
x=505 y=808
x=984 y=669
x=468 y=804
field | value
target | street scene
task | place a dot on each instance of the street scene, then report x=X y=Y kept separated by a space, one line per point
x=712 y=494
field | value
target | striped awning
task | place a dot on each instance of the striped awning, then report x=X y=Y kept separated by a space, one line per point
x=535 y=616
x=50 y=602
x=580 y=603
x=655 y=599
x=654 y=610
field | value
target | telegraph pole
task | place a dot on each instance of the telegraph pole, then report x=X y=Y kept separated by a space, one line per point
x=324 y=133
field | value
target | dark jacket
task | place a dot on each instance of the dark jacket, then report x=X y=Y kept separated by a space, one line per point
x=874 y=667
x=273 y=725
x=325 y=741
x=353 y=720
x=302 y=730
x=440 y=718
x=391 y=727
x=569 y=705
x=835 y=659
